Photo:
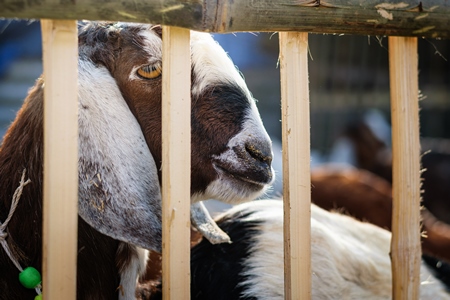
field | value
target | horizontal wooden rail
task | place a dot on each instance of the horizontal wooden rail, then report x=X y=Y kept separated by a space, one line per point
x=373 y=17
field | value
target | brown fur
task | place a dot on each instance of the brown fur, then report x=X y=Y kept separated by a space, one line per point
x=22 y=148
x=353 y=191
x=368 y=197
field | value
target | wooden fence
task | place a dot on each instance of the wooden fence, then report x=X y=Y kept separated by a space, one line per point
x=294 y=18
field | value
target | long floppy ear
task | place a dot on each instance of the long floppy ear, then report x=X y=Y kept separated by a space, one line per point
x=119 y=193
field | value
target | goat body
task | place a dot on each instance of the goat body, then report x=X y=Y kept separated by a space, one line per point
x=350 y=259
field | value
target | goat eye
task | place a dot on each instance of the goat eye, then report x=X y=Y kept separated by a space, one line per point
x=150 y=71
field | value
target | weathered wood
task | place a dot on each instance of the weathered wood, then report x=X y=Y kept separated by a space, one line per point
x=176 y=163
x=296 y=164
x=60 y=207
x=374 y=17
x=405 y=246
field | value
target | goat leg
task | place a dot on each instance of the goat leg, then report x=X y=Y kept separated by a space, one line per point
x=203 y=222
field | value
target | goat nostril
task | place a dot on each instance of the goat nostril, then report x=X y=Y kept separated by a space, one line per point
x=258 y=154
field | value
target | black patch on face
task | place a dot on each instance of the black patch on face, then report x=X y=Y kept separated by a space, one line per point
x=216 y=270
x=217 y=116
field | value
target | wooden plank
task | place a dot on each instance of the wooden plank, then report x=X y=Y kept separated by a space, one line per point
x=176 y=162
x=296 y=164
x=60 y=208
x=405 y=246
x=372 y=17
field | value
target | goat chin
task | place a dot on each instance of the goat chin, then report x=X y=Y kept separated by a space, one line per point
x=350 y=259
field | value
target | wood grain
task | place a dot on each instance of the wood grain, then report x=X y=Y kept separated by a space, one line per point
x=374 y=17
x=405 y=246
x=176 y=162
x=60 y=208
x=296 y=164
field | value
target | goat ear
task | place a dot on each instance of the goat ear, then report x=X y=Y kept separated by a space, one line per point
x=119 y=193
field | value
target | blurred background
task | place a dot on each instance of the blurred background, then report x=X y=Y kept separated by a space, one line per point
x=349 y=85
x=20 y=65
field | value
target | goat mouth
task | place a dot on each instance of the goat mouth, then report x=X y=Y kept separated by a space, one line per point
x=256 y=178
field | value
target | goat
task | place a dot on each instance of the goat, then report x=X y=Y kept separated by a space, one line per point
x=350 y=259
x=120 y=155
x=368 y=197
x=374 y=155
x=360 y=193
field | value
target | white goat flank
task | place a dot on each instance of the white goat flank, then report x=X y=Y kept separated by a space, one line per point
x=350 y=259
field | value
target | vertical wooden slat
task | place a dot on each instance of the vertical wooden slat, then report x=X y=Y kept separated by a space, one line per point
x=60 y=208
x=176 y=162
x=296 y=164
x=405 y=247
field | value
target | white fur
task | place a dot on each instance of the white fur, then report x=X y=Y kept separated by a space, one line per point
x=129 y=278
x=350 y=259
x=212 y=65
x=225 y=191
x=108 y=120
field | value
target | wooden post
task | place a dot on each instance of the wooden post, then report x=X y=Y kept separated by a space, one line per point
x=296 y=164
x=176 y=162
x=60 y=208
x=405 y=246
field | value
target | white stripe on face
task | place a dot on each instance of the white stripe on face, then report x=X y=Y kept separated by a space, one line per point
x=212 y=65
